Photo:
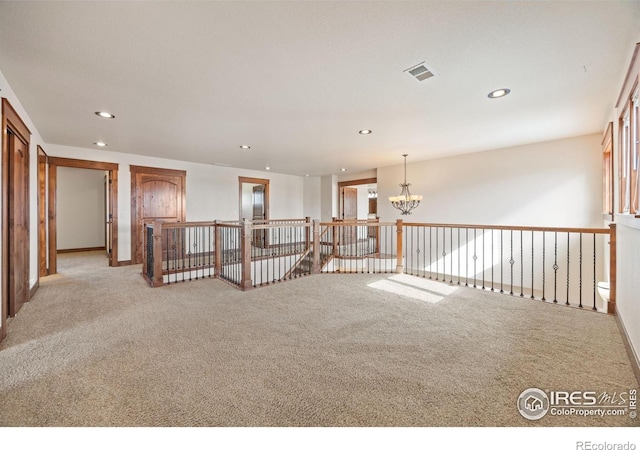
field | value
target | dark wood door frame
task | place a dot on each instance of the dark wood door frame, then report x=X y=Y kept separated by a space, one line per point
x=112 y=168
x=135 y=170
x=42 y=213
x=11 y=121
x=263 y=181
x=342 y=184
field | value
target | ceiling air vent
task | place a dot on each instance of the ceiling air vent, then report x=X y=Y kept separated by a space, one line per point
x=420 y=72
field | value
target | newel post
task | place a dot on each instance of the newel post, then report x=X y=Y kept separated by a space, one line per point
x=315 y=268
x=245 y=249
x=307 y=232
x=399 y=258
x=157 y=254
x=145 y=249
x=217 y=255
x=611 y=308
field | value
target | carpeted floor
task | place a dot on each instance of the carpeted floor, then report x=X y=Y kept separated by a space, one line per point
x=97 y=347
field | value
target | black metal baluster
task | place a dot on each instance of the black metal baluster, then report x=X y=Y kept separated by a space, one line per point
x=568 y=268
x=424 y=252
x=430 y=250
x=492 y=264
x=189 y=231
x=532 y=263
x=451 y=254
x=580 y=288
x=444 y=254
x=466 y=260
x=458 y=256
x=594 y=273
x=544 y=242
x=437 y=256
x=483 y=256
x=521 y=266
x=555 y=268
x=475 y=257
x=501 y=260
x=511 y=261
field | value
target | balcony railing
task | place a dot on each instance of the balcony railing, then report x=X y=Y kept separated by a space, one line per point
x=558 y=265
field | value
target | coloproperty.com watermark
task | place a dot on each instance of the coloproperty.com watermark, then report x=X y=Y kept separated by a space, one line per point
x=534 y=404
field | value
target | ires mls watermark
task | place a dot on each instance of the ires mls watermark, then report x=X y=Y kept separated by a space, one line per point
x=534 y=403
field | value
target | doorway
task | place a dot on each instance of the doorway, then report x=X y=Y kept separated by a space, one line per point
x=254 y=206
x=110 y=171
x=357 y=202
x=15 y=213
x=156 y=194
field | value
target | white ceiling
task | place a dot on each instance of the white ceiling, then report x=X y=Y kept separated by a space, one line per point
x=297 y=80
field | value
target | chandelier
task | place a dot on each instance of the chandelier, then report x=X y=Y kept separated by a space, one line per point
x=406 y=201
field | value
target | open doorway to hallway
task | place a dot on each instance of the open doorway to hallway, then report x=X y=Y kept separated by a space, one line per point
x=82 y=210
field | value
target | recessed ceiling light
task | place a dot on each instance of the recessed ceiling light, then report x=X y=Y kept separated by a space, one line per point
x=245 y=146
x=365 y=131
x=100 y=144
x=105 y=115
x=343 y=170
x=499 y=93
x=267 y=168
x=306 y=174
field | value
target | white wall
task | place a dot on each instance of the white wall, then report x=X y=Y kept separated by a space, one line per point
x=312 y=197
x=328 y=197
x=363 y=201
x=247 y=200
x=628 y=286
x=80 y=208
x=212 y=191
x=555 y=183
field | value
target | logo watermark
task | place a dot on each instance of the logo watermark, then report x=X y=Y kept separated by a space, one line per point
x=534 y=403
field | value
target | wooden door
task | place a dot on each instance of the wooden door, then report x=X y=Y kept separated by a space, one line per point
x=348 y=212
x=18 y=264
x=157 y=194
x=259 y=236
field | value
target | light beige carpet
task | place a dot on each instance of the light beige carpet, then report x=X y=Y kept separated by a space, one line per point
x=97 y=347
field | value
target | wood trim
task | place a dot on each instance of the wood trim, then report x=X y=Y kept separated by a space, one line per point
x=633 y=357
x=126 y=262
x=11 y=119
x=357 y=182
x=636 y=50
x=42 y=213
x=82 y=164
x=158 y=171
x=267 y=195
x=607 y=144
x=51 y=209
x=78 y=250
x=113 y=261
x=112 y=168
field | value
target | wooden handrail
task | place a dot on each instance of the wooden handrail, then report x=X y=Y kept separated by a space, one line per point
x=277 y=225
x=509 y=227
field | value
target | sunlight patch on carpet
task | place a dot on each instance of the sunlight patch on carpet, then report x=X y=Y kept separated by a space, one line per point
x=413 y=287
